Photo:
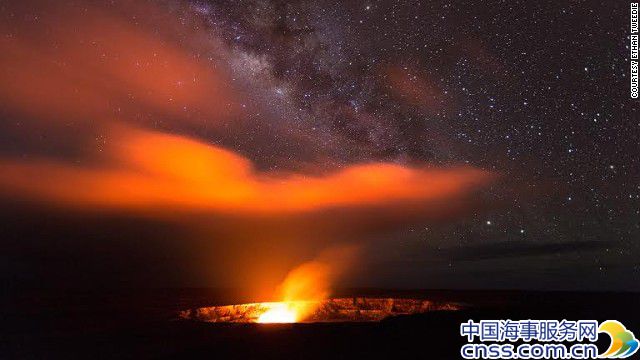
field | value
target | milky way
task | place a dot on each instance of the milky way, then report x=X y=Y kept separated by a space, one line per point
x=536 y=92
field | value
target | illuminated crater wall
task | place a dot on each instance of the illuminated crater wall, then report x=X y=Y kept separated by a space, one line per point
x=356 y=309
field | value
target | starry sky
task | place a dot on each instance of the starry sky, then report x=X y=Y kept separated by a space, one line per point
x=210 y=143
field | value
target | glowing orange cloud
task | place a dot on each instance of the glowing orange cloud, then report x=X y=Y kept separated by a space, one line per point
x=150 y=170
x=86 y=63
x=92 y=64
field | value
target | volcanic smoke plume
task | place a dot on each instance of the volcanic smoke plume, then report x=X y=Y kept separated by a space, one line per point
x=305 y=296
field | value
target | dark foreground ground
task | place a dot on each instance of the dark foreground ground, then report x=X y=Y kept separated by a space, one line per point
x=142 y=326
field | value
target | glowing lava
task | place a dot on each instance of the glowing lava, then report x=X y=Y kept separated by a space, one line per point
x=359 y=309
x=279 y=313
x=305 y=293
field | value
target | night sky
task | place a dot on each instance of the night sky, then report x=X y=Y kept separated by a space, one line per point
x=221 y=143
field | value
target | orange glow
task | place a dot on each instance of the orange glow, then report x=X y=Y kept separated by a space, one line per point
x=306 y=286
x=310 y=281
x=279 y=313
x=301 y=290
x=148 y=170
